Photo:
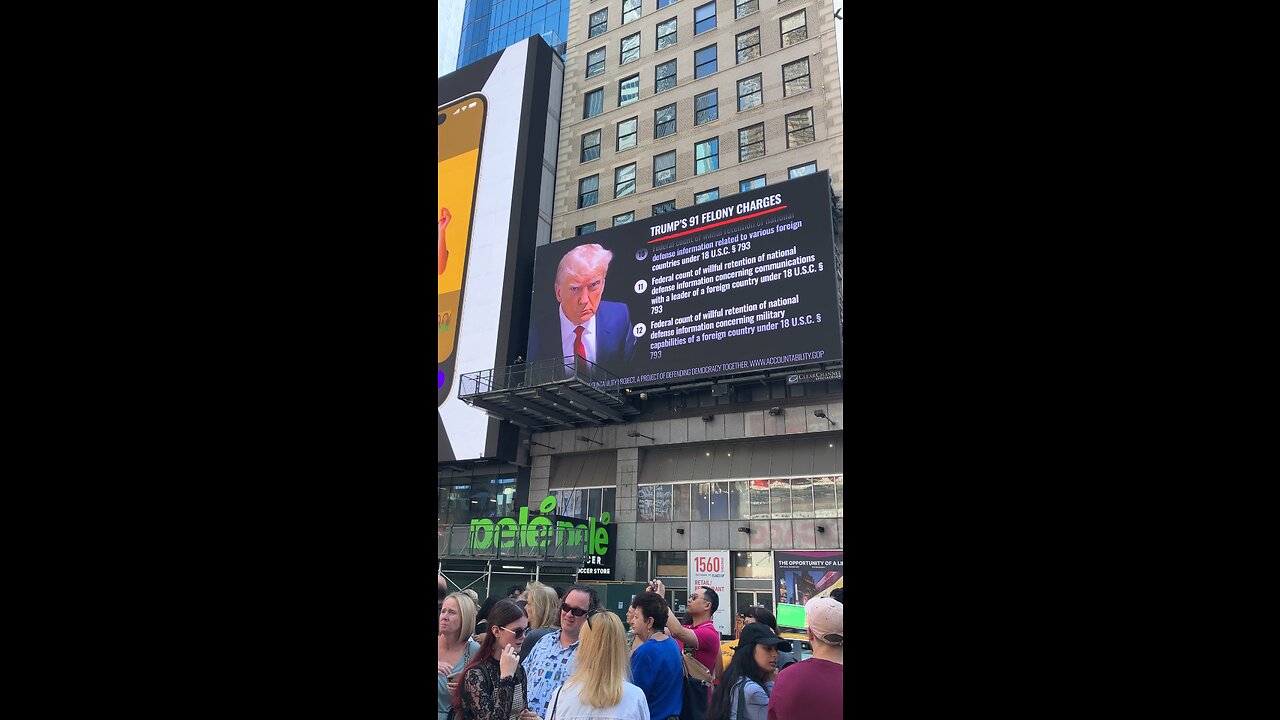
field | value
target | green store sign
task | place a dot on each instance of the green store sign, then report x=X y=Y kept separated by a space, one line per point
x=525 y=532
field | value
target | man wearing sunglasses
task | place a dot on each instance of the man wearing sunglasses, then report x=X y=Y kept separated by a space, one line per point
x=700 y=634
x=550 y=662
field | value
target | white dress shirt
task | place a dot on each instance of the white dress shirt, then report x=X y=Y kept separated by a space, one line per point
x=567 y=336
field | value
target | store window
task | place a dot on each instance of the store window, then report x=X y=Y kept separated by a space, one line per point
x=780 y=498
x=672 y=568
x=824 y=496
x=802 y=497
x=487 y=498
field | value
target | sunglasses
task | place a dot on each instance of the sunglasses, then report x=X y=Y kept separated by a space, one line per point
x=576 y=612
x=590 y=615
x=516 y=633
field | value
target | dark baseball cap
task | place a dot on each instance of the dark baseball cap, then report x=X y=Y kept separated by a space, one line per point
x=760 y=634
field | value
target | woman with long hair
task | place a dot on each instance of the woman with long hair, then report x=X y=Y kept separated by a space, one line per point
x=544 y=615
x=743 y=692
x=493 y=685
x=598 y=687
x=454 y=646
x=656 y=665
x=760 y=613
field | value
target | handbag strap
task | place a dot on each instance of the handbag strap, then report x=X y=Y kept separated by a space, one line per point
x=554 y=701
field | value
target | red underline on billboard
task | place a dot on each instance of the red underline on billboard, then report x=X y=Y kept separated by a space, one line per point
x=700 y=228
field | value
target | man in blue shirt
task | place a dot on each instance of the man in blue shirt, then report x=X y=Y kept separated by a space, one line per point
x=550 y=662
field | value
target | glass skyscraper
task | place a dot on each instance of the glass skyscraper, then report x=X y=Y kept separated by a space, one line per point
x=491 y=25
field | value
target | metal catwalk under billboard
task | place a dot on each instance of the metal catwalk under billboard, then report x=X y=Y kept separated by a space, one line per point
x=740 y=284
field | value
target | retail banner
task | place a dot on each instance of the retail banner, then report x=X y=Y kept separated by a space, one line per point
x=802 y=576
x=711 y=569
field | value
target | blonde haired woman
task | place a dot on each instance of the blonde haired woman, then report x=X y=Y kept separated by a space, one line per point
x=598 y=687
x=454 y=646
x=544 y=614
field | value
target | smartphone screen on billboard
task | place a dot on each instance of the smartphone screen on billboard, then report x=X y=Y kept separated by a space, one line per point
x=460 y=127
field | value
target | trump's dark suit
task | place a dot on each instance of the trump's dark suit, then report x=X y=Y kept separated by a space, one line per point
x=615 y=345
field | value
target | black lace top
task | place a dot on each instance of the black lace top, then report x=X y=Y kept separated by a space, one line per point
x=488 y=696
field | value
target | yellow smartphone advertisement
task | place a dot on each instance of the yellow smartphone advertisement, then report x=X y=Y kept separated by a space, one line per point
x=460 y=126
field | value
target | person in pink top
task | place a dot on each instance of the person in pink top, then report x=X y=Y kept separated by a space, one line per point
x=821 y=676
x=700 y=635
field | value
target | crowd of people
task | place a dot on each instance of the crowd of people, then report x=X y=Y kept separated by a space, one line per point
x=541 y=653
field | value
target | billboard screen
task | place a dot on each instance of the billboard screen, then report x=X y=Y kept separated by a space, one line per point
x=495 y=124
x=739 y=284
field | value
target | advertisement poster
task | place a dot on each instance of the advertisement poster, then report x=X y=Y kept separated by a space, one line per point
x=801 y=576
x=711 y=569
x=744 y=283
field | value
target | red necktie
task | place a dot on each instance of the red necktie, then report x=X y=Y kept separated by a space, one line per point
x=578 y=348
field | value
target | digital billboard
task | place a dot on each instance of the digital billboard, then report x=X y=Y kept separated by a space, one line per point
x=495 y=123
x=739 y=284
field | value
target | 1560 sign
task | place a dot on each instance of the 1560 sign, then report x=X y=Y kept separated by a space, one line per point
x=507 y=532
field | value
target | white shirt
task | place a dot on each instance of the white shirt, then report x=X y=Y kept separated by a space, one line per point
x=567 y=336
x=566 y=705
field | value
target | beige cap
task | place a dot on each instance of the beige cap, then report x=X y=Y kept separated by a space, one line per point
x=825 y=617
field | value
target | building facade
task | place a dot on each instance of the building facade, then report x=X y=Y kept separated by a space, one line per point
x=491 y=25
x=668 y=104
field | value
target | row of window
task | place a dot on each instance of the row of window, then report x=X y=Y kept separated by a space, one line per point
x=796 y=79
x=628 y=176
x=704 y=17
x=793 y=28
x=706 y=107
x=799 y=129
x=802 y=497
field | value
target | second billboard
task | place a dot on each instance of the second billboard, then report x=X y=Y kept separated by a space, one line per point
x=740 y=284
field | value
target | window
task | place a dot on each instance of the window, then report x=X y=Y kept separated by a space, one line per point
x=800 y=128
x=751 y=143
x=593 y=103
x=630 y=49
x=666 y=33
x=624 y=181
x=664 y=207
x=624 y=218
x=627 y=134
x=599 y=23
x=664 y=3
x=584 y=229
x=664 y=76
x=630 y=11
x=749 y=45
x=749 y=93
x=704 y=61
x=590 y=146
x=595 y=62
x=628 y=90
x=664 y=169
x=587 y=191
x=706 y=107
x=664 y=121
x=706 y=156
x=704 y=18
x=793 y=28
x=802 y=170
x=706 y=195
x=751 y=184
x=745 y=7
x=795 y=77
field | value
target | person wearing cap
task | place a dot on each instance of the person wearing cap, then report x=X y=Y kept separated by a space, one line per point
x=821 y=676
x=744 y=689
